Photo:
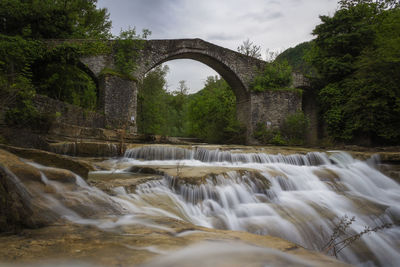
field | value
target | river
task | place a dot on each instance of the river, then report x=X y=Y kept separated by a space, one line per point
x=309 y=199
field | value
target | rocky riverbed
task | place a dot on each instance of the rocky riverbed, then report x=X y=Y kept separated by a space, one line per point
x=184 y=206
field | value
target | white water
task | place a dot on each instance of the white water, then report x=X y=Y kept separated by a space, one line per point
x=297 y=197
x=307 y=196
x=75 y=149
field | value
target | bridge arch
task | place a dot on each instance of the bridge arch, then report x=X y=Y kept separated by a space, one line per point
x=232 y=66
x=224 y=71
x=118 y=96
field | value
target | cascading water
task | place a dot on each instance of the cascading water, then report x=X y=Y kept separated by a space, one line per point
x=163 y=153
x=297 y=197
x=81 y=149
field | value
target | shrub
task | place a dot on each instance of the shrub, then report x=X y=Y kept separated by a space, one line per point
x=294 y=128
x=292 y=132
x=24 y=114
x=274 y=76
x=268 y=136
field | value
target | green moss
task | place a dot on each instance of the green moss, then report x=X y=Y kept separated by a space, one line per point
x=108 y=71
x=286 y=89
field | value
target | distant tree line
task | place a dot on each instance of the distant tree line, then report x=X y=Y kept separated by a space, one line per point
x=209 y=114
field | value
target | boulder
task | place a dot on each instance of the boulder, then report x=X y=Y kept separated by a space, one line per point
x=20 y=206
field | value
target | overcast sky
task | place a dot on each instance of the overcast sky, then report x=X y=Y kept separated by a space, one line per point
x=272 y=24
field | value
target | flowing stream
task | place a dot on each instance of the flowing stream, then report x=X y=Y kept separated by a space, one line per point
x=300 y=198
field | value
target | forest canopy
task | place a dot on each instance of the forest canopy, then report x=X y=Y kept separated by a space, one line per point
x=357 y=55
x=28 y=66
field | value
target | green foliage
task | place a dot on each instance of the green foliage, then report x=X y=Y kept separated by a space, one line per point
x=52 y=67
x=177 y=112
x=292 y=132
x=357 y=56
x=127 y=49
x=212 y=114
x=152 y=103
x=81 y=48
x=16 y=58
x=266 y=135
x=208 y=114
x=294 y=128
x=54 y=19
x=161 y=112
x=24 y=114
x=27 y=64
x=58 y=74
x=274 y=76
x=296 y=58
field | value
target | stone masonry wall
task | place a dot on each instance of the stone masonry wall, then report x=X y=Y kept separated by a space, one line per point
x=271 y=108
x=310 y=109
x=70 y=114
x=118 y=99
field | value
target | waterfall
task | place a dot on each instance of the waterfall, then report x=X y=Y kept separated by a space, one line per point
x=300 y=198
x=85 y=149
x=151 y=153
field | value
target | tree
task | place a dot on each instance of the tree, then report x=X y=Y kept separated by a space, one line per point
x=178 y=104
x=16 y=90
x=381 y=4
x=127 y=49
x=356 y=53
x=182 y=88
x=275 y=76
x=161 y=112
x=212 y=113
x=151 y=102
x=27 y=65
x=296 y=57
x=54 y=19
x=249 y=49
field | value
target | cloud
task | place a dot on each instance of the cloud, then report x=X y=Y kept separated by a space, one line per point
x=193 y=72
x=222 y=36
x=155 y=15
x=263 y=16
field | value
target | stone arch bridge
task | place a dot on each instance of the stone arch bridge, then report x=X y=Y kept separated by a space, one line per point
x=118 y=96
